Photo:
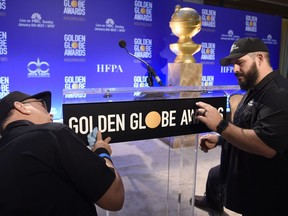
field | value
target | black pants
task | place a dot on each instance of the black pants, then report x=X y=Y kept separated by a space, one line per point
x=214 y=190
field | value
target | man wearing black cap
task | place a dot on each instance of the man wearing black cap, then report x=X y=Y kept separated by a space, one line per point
x=46 y=169
x=254 y=158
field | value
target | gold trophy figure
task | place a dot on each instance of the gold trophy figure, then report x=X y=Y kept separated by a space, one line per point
x=185 y=23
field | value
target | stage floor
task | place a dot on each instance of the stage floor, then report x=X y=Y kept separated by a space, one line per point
x=154 y=190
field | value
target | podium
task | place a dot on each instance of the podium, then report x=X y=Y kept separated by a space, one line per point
x=158 y=180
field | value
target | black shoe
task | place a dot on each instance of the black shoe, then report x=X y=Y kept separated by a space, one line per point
x=202 y=203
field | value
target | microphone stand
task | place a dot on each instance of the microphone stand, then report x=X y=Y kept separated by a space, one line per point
x=150 y=76
x=151 y=71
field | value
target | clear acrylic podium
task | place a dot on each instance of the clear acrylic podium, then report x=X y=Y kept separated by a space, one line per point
x=159 y=179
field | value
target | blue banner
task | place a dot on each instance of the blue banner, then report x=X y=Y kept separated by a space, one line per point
x=73 y=44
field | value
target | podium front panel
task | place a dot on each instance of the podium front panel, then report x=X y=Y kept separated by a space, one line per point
x=137 y=120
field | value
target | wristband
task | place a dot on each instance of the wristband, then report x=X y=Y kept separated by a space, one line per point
x=99 y=151
x=103 y=153
x=222 y=126
x=220 y=142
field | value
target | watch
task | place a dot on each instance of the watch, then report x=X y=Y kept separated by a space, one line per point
x=223 y=124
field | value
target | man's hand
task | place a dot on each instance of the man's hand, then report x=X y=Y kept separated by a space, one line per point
x=209 y=115
x=100 y=143
x=208 y=142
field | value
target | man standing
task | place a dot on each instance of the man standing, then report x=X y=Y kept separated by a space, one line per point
x=46 y=169
x=255 y=159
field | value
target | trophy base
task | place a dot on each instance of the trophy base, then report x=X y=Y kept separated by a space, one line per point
x=184 y=74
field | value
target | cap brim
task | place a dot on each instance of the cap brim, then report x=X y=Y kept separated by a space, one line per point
x=228 y=59
x=46 y=96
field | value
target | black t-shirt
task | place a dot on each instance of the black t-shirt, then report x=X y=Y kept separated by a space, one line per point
x=255 y=183
x=48 y=170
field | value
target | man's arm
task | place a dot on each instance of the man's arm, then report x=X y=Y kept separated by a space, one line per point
x=244 y=139
x=247 y=140
x=113 y=198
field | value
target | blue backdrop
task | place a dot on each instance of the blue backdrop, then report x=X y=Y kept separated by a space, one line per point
x=71 y=44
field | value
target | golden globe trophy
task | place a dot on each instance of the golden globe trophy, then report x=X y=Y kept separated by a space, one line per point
x=185 y=23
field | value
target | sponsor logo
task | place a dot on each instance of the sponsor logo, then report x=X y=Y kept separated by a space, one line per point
x=74 y=46
x=109 y=26
x=4 y=86
x=143 y=13
x=2 y=4
x=227 y=69
x=74 y=10
x=208 y=18
x=36 y=21
x=3 y=44
x=207 y=80
x=38 y=68
x=270 y=40
x=143 y=47
x=140 y=81
x=109 y=68
x=2 y=7
x=251 y=23
x=75 y=82
x=208 y=51
x=230 y=36
x=74 y=7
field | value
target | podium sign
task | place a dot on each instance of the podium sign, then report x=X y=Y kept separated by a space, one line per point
x=137 y=120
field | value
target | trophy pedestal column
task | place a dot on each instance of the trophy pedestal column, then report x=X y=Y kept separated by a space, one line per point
x=183 y=74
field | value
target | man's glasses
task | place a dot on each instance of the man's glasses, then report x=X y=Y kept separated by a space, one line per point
x=36 y=100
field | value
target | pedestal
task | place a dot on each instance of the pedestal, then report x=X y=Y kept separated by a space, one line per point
x=184 y=74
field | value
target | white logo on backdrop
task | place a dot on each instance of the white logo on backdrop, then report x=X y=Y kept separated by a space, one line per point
x=36 y=21
x=109 y=26
x=38 y=68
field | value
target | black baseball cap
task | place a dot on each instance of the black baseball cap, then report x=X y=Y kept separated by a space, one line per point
x=7 y=102
x=242 y=47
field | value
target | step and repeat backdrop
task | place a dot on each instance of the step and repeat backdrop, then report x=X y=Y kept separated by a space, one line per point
x=74 y=44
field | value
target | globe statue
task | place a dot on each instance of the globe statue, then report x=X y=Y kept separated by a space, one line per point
x=185 y=23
